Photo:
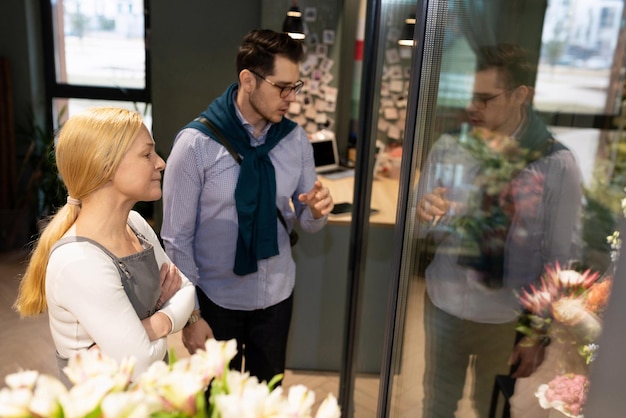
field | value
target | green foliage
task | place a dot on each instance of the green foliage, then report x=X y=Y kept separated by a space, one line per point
x=43 y=188
x=105 y=23
x=553 y=50
x=599 y=221
x=603 y=207
x=78 y=23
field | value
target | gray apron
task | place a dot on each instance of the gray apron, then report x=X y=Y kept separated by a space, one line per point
x=140 y=278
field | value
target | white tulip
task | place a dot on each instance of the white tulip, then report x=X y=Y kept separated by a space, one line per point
x=14 y=402
x=45 y=402
x=135 y=404
x=23 y=379
x=300 y=401
x=85 y=397
x=329 y=408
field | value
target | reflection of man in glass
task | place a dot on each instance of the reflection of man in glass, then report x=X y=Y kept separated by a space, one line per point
x=497 y=203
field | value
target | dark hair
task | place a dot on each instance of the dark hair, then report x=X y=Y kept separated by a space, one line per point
x=510 y=60
x=259 y=47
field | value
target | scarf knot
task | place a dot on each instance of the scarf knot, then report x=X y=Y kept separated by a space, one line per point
x=255 y=193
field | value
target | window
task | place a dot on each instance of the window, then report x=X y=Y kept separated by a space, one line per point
x=607 y=17
x=96 y=53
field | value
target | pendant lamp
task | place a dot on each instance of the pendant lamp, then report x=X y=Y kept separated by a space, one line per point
x=293 y=24
x=407 y=32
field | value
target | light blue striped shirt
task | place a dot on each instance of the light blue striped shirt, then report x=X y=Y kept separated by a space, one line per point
x=199 y=228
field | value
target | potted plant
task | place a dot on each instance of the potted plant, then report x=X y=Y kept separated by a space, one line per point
x=44 y=190
x=38 y=191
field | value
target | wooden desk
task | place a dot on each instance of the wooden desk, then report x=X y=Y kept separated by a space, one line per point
x=384 y=198
x=317 y=325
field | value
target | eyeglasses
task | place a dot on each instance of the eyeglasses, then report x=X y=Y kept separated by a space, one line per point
x=284 y=90
x=480 y=102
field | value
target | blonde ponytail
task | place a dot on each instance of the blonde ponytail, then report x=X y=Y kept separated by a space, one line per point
x=31 y=296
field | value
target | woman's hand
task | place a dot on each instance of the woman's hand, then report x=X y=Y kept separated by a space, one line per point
x=170 y=283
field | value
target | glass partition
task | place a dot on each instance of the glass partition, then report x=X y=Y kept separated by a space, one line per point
x=514 y=188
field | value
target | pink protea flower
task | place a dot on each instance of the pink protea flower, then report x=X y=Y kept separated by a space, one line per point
x=536 y=300
x=559 y=281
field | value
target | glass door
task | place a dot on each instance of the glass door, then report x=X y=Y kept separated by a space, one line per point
x=510 y=191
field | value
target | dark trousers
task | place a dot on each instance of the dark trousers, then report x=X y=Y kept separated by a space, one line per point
x=451 y=345
x=261 y=334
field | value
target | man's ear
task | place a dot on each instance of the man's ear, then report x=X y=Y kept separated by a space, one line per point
x=247 y=81
x=523 y=94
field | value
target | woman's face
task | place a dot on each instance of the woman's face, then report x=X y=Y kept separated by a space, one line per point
x=138 y=176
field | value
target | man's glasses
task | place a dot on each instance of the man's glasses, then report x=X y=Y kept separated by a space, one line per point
x=481 y=101
x=284 y=90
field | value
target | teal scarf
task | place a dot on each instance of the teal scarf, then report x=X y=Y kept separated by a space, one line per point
x=255 y=193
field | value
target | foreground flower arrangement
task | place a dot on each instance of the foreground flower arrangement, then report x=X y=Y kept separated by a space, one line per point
x=102 y=388
x=565 y=393
x=567 y=307
x=573 y=300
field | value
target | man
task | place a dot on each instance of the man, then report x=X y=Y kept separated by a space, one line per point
x=222 y=224
x=497 y=203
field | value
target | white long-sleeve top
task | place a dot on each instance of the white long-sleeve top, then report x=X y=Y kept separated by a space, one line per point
x=87 y=303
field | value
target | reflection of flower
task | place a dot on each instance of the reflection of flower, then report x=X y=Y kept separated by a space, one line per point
x=567 y=306
x=598 y=297
x=500 y=157
x=566 y=296
x=101 y=388
x=565 y=393
x=501 y=188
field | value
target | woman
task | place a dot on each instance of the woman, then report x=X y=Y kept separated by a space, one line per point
x=98 y=267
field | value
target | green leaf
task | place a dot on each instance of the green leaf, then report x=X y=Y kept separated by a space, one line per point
x=275 y=380
x=96 y=413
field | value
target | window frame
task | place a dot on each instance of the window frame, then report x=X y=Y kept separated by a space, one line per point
x=56 y=90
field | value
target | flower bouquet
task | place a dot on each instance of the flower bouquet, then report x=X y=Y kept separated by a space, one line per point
x=501 y=188
x=566 y=307
x=568 y=302
x=102 y=388
x=565 y=393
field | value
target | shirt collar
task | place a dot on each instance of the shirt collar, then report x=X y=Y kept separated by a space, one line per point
x=248 y=126
x=521 y=128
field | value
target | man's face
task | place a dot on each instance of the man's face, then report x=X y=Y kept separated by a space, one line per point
x=265 y=100
x=493 y=106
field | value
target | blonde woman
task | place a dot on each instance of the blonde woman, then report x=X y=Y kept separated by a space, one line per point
x=98 y=268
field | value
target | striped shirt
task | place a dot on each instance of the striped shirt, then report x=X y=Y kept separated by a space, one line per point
x=200 y=226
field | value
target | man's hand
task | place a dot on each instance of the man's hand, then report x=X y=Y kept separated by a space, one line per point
x=318 y=199
x=433 y=205
x=170 y=283
x=195 y=335
x=528 y=355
